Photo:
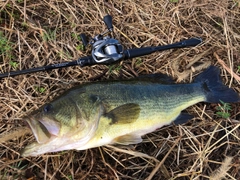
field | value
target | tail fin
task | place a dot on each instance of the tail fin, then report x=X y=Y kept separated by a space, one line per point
x=215 y=90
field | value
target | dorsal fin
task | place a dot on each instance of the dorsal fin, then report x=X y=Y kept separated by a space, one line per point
x=156 y=78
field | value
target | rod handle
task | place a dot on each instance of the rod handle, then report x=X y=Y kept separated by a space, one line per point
x=191 y=42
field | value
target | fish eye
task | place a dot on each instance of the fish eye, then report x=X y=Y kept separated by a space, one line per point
x=47 y=108
x=94 y=98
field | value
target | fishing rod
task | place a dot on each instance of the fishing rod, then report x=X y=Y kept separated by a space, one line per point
x=106 y=50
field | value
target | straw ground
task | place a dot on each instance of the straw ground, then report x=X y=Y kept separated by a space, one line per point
x=37 y=33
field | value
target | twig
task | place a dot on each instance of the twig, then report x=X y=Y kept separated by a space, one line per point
x=163 y=160
x=16 y=133
x=226 y=67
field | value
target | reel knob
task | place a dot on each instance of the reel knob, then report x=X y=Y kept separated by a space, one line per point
x=108 y=21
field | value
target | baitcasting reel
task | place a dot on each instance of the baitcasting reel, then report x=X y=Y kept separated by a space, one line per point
x=105 y=49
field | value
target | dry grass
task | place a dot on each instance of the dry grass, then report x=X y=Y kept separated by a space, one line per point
x=44 y=32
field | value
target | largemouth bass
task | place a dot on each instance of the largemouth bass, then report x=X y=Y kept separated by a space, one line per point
x=119 y=112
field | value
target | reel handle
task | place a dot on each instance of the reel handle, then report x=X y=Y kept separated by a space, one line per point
x=108 y=21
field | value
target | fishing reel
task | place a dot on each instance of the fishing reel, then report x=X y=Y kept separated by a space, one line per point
x=104 y=48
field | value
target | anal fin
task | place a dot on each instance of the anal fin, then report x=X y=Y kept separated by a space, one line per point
x=182 y=118
x=128 y=139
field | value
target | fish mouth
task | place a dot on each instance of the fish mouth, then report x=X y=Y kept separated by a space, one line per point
x=40 y=132
x=45 y=140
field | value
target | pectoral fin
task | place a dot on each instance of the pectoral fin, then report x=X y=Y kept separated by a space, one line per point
x=182 y=118
x=124 y=114
x=128 y=139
